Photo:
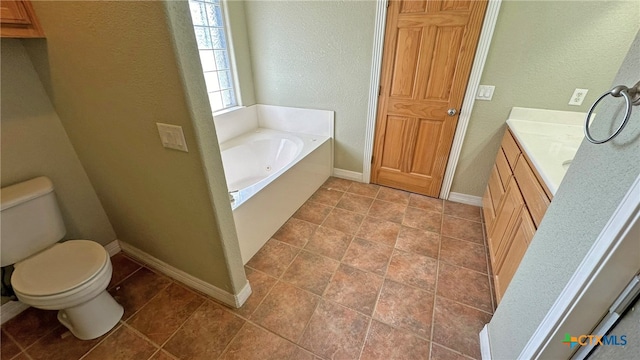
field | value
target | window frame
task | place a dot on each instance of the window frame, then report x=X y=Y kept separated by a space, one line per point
x=228 y=37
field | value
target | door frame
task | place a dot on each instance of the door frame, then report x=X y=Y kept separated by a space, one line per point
x=486 y=34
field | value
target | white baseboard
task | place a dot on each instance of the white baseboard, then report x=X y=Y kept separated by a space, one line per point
x=188 y=280
x=11 y=309
x=465 y=199
x=485 y=345
x=347 y=174
x=113 y=247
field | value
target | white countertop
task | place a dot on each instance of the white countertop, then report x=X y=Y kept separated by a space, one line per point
x=550 y=138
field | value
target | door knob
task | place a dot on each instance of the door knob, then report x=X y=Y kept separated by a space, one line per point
x=452 y=112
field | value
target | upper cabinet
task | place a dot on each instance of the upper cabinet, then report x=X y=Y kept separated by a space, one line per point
x=18 y=20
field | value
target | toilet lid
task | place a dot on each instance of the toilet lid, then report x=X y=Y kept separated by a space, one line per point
x=59 y=268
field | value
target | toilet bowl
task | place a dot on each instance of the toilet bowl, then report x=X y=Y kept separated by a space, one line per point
x=71 y=277
x=75 y=282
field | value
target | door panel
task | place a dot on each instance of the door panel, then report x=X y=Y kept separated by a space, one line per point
x=444 y=58
x=397 y=128
x=429 y=133
x=456 y=5
x=406 y=62
x=429 y=48
x=413 y=6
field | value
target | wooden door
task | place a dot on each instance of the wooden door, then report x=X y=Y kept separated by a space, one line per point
x=428 y=52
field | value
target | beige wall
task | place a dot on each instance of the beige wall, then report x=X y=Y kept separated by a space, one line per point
x=316 y=54
x=112 y=73
x=540 y=52
x=34 y=143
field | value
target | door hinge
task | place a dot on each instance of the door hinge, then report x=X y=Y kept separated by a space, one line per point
x=388 y=3
x=379 y=90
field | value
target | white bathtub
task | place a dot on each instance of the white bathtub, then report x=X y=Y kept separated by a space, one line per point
x=270 y=174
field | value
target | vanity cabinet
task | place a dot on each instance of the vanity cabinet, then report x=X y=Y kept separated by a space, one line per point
x=18 y=20
x=513 y=205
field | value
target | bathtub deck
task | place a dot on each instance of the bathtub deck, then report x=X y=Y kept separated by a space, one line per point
x=360 y=271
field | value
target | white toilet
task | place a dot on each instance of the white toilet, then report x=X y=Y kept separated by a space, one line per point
x=71 y=277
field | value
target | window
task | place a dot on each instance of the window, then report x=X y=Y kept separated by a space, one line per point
x=213 y=46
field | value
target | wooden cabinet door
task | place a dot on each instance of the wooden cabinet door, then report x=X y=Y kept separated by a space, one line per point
x=492 y=198
x=18 y=20
x=428 y=51
x=518 y=242
x=487 y=209
x=13 y=12
x=506 y=216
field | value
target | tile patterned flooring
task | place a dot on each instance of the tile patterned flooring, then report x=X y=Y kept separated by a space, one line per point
x=359 y=271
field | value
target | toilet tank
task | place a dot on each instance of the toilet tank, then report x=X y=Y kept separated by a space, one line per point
x=30 y=219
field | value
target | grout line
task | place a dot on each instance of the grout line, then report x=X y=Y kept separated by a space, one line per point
x=435 y=288
x=232 y=339
x=455 y=351
x=23 y=350
x=384 y=279
x=278 y=335
x=464 y=267
x=154 y=354
x=26 y=348
x=109 y=333
x=306 y=326
x=366 y=336
x=320 y=298
x=471 y=241
x=126 y=277
x=151 y=299
x=181 y=326
x=490 y=273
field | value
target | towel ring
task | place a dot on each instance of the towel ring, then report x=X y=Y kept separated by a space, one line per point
x=631 y=97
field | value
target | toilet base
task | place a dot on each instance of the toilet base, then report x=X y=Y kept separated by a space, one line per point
x=93 y=318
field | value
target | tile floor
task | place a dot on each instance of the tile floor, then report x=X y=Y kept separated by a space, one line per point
x=360 y=271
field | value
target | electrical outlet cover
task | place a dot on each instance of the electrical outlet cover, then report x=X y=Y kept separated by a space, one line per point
x=578 y=96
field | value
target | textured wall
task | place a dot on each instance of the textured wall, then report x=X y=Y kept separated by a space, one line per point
x=599 y=176
x=34 y=143
x=111 y=73
x=241 y=51
x=541 y=51
x=316 y=54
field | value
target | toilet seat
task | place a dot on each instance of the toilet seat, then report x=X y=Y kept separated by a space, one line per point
x=62 y=275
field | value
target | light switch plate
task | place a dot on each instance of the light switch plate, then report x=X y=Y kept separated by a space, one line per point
x=172 y=137
x=485 y=92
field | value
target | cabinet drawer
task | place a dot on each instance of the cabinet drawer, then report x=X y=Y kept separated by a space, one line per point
x=503 y=168
x=510 y=148
x=533 y=193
